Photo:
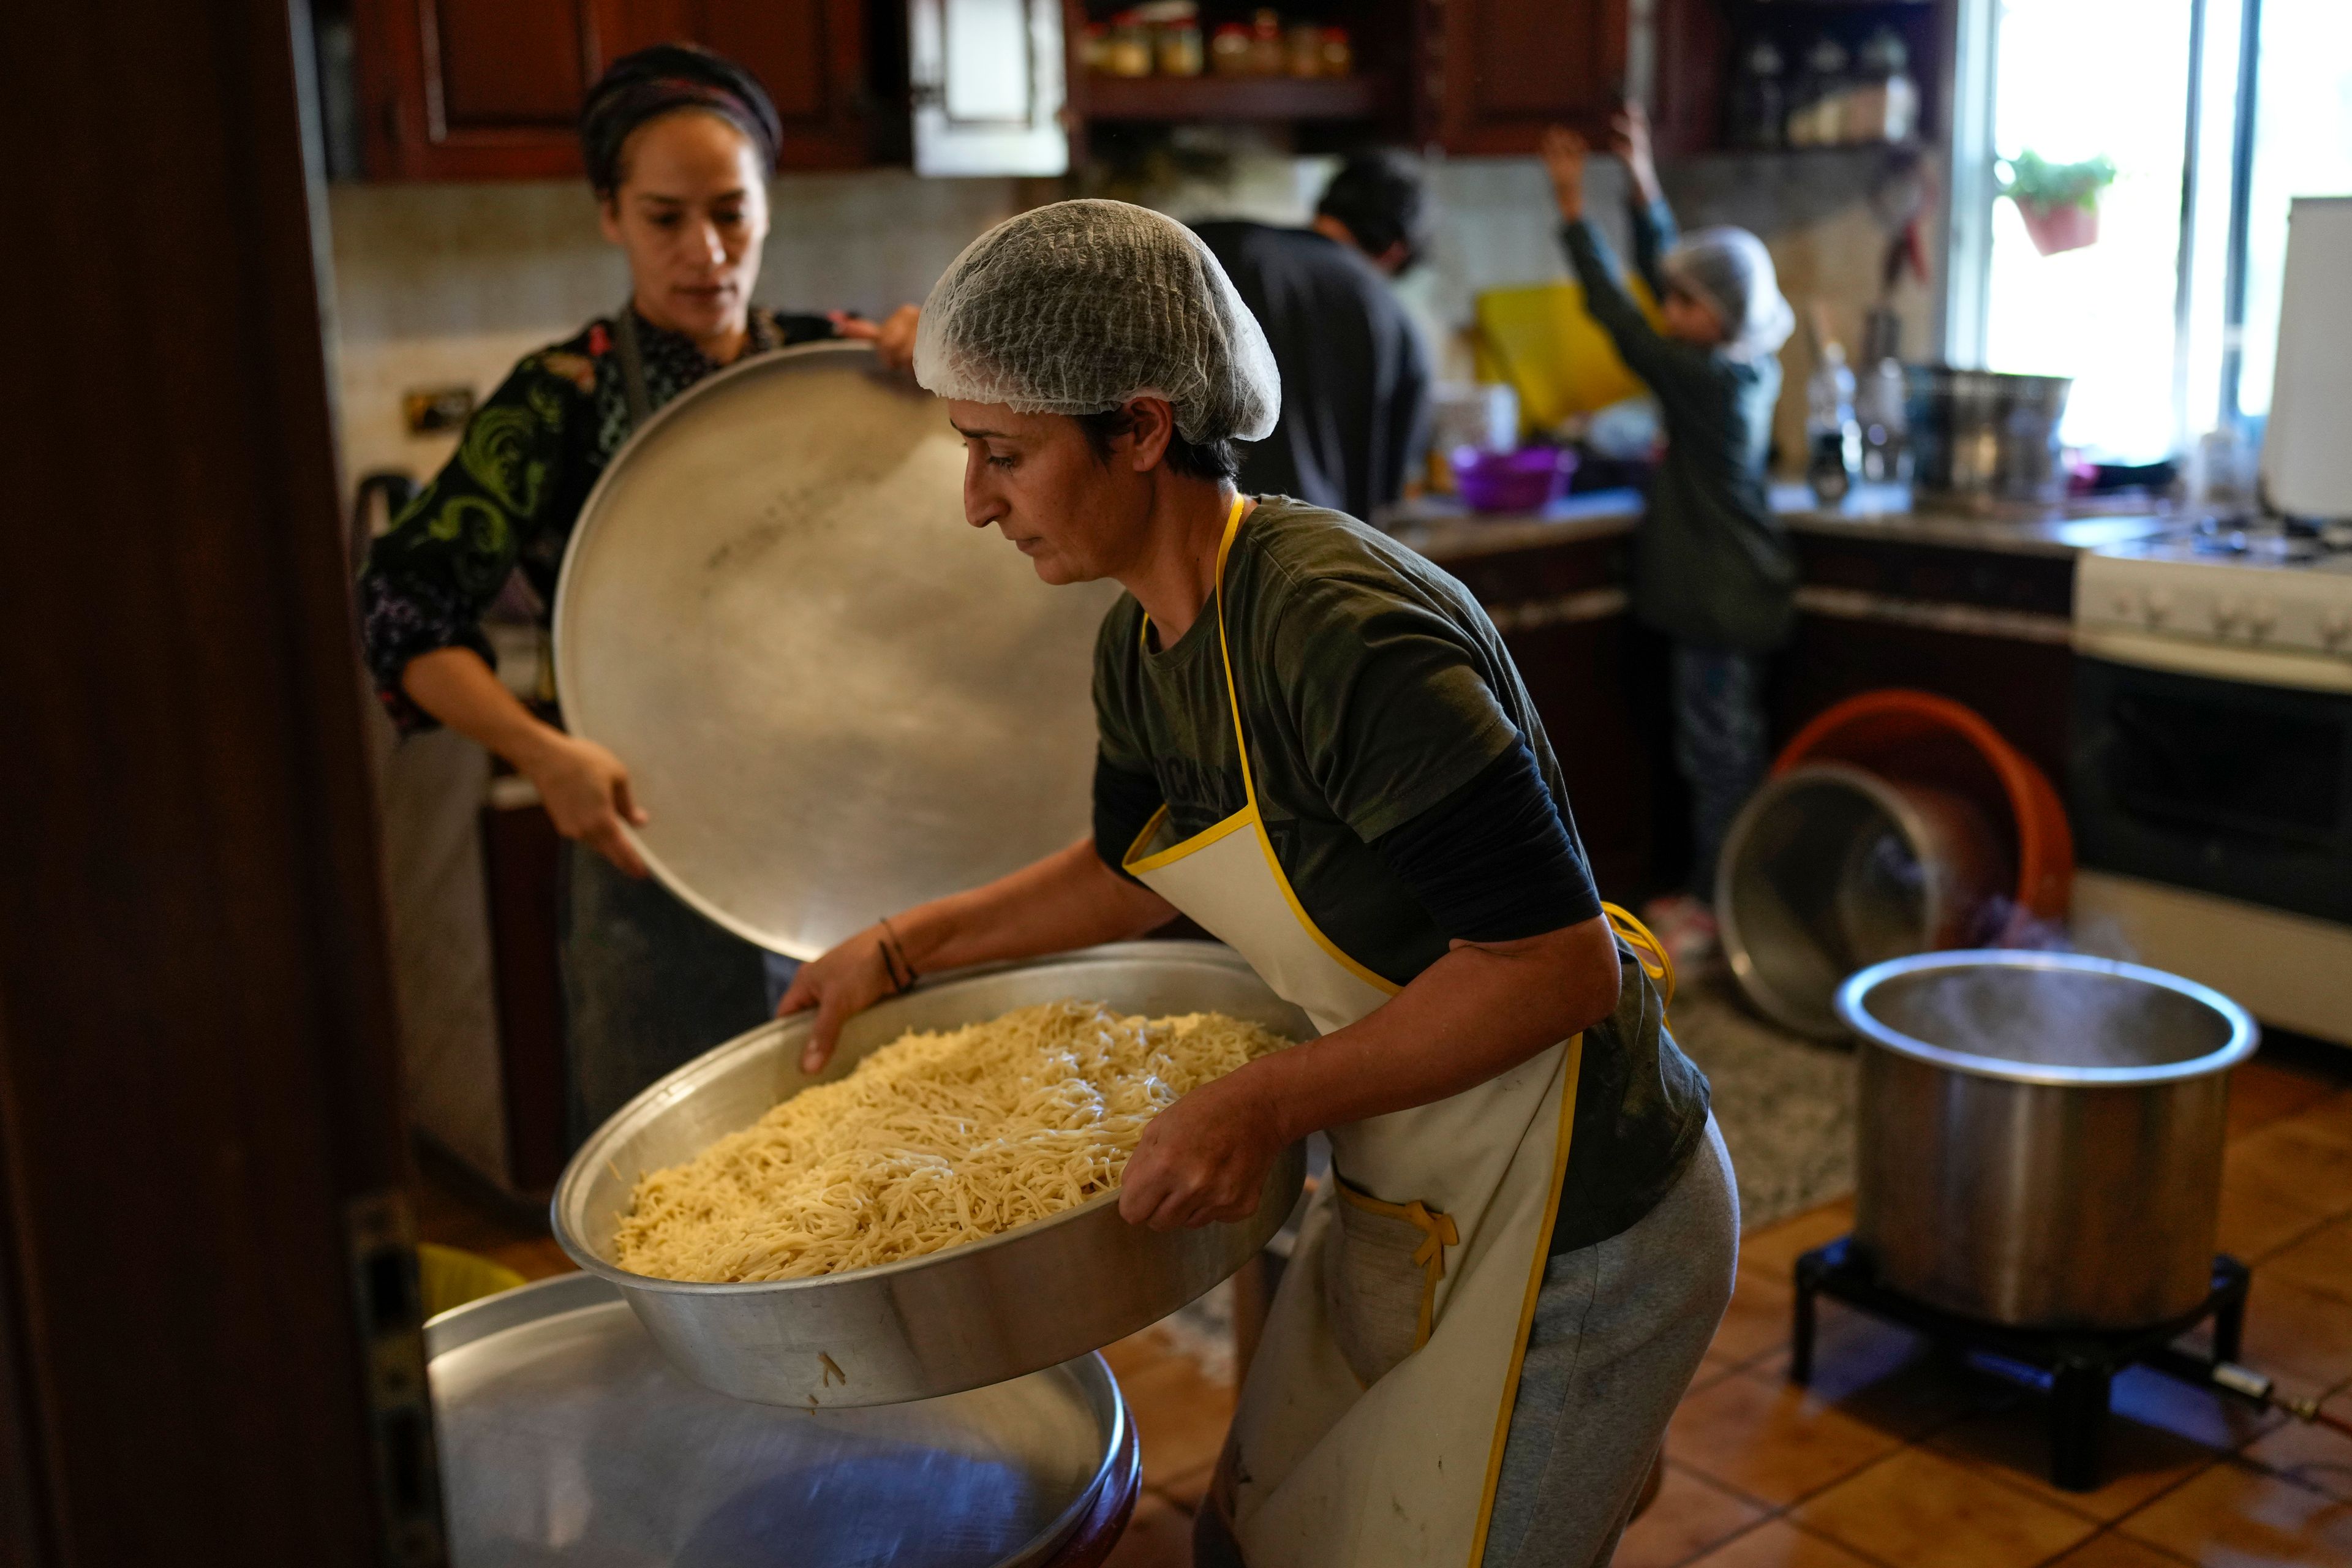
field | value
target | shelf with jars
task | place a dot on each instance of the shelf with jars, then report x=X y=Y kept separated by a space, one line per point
x=1175 y=60
x=1815 y=74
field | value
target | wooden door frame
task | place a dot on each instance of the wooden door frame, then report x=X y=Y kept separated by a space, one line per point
x=201 y=1165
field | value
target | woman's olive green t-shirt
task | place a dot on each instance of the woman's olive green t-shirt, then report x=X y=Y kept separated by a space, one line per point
x=1371 y=687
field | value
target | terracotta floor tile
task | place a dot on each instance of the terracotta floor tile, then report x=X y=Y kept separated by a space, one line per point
x=2320 y=1261
x=1776 y=1543
x=2202 y=1415
x=2305 y=1158
x=1884 y=1375
x=1180 y=1415
x=1690 y=1516
x=1769 y=1441
x=2262 y=1092
x=2295 y=1332
x=1773 y=1250
x=1757 y=1320
x=2136 y=1461
x=1159 y=1536
x=1922 y=1510
x=2109 y=1550
x=2257 y=1220
x=2318 y=1457
x=2238 y=1515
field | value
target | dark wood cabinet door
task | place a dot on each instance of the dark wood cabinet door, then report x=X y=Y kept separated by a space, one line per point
x=1504 y=69
x=475 y=90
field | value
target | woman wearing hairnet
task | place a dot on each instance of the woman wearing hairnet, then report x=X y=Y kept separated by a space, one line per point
x=1713 y=568
x=1314 y=743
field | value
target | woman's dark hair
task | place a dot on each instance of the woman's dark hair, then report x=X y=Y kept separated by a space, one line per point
x=1378 y=196
x=1193 y=460
x=661 y=80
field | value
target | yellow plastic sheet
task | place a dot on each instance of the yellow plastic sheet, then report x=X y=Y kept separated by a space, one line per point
x=1539 y=337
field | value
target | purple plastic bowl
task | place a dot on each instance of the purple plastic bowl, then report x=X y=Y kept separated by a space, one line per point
x=1526 y=481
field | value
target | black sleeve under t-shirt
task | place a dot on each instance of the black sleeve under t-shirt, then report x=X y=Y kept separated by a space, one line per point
x=1491 y=862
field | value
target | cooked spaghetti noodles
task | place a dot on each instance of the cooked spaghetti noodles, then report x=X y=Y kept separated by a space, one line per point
x=934 y=1140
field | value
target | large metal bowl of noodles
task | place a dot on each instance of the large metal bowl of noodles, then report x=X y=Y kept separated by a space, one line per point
x=1015 y=1303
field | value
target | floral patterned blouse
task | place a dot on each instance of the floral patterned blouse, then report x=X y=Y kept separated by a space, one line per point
x=510 y=496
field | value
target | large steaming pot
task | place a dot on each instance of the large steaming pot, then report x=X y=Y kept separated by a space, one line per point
x=2041 y=1134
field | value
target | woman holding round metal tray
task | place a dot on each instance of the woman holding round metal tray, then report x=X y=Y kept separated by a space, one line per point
x=1315 y=745
x=678 y=144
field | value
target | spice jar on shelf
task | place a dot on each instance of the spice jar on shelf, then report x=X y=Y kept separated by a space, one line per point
x=1267 y=57
x=1229 y=50
x=1129 y=52
x=1180 y=52
x=1304 y=55
x=1338 y=52
x=1093 y=51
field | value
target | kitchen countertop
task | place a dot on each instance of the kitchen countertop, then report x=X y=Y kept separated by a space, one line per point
x=1441 y=527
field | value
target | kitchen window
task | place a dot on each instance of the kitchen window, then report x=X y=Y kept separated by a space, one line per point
x=2215 y=113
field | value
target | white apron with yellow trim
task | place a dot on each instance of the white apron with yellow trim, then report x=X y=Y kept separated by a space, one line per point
x=1372 y=1427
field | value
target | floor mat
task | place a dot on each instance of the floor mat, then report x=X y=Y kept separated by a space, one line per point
x=1785 y=1103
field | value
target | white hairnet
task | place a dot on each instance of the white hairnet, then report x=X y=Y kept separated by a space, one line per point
x=1729 y=270
x=1082 y=306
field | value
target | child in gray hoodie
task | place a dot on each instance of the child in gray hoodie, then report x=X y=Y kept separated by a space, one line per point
x=1713 y=568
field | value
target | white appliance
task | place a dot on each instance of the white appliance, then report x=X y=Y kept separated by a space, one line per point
x=2212 y=768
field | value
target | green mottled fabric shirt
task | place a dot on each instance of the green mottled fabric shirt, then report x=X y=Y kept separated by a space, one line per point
x=508 y=499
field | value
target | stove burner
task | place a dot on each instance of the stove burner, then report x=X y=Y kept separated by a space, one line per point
x=2079 y=1365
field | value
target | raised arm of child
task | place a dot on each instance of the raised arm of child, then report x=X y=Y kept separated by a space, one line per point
x=1662 y=364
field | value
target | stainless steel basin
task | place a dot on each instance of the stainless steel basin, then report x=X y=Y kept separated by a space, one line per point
x=973 y=1315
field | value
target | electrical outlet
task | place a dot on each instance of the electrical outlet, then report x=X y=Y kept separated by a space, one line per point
x=430 y=410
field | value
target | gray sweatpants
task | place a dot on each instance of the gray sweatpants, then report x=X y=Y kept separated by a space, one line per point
x=1619 y=1329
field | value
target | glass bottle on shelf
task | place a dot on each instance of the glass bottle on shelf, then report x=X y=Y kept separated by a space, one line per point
x=1833 y=437
x=1129 y=53
x=1095 y=51
x=1304 y=53
x=1759 y=102
x=1338 y=52
x=1817 y=117
x=1881 y=401
x=1883 y=105
x=1229 y=50
x=1178 y=52
x=1267 y=57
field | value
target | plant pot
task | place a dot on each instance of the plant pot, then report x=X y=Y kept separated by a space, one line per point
x=2068 y=226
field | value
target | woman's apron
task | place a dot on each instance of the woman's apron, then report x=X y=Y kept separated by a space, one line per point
x=1371 y=1429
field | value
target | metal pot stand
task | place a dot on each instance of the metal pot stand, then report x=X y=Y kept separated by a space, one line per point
x=2076 y=1367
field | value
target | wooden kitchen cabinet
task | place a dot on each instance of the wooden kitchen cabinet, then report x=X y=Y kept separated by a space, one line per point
x=478 y=89
x=1497 y=72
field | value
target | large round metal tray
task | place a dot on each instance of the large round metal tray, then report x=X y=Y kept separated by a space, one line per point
x=972 y=1315
x=835 y=697
x=565 y=1438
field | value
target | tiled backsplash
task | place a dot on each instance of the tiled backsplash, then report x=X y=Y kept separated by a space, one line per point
x=450 y=284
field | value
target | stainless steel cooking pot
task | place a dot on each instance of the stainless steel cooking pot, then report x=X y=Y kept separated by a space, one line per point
x=1830 y=867
x=973 y=1315
x=1979 y=438
x=2039 y=1134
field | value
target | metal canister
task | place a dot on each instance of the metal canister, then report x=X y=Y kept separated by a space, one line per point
x=1979 y=438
